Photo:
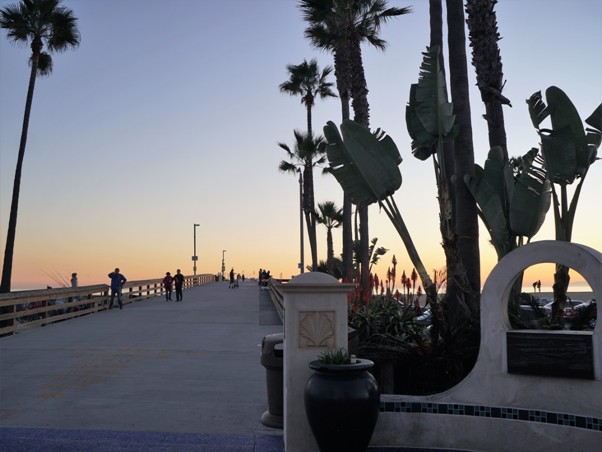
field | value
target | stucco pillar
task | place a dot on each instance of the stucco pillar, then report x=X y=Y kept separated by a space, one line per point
x=315 y=319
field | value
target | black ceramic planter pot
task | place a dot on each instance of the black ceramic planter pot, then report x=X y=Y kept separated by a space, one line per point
x=342 y=405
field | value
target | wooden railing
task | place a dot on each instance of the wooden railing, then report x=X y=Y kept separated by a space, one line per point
x=276 y=296
x=27 y=309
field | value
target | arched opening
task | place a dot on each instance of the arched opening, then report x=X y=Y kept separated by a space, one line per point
x=533 y=307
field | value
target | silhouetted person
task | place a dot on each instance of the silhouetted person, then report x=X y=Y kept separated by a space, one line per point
x=179 y=281
x=117 y=282
x=168 y=284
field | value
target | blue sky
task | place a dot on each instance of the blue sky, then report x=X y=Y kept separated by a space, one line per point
x=169 y=114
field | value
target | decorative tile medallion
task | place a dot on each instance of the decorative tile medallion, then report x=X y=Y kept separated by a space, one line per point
x=316 y=329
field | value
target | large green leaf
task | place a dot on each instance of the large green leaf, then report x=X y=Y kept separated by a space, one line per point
x=561 y=154
x=563 y=114
x=510 y=206
x=567 y=149
x=429 y=116
x=492 y=209
x=530 y=202
x=595 y=119
x=594 y=134
x=423 y=143
x=366 y=165
x=538 y=111
x=494 y=171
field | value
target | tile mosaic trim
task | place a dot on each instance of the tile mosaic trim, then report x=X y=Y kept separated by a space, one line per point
x=544 y=417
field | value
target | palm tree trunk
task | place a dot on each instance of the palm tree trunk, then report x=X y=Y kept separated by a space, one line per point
x=347 y=238
x=7 y=268
x=309 y=129
x=361 y=110
x=330 y=251
x=364 y=249
x=308 y=208
x=343 y=89
x=484 y=36
x=494 y=114
x=467 y=229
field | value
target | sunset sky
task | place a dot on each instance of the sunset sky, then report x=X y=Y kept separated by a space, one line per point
x=169 y=114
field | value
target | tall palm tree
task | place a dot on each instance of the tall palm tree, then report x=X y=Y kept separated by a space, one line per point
x=340 y=26
x=332 y=217
x=307 y=153
x=39 y=23
x=307 y=81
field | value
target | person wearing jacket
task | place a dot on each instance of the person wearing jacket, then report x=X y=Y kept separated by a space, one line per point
x=117 y=282
x=168 y=284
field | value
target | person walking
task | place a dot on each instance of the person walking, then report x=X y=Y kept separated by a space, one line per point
x=179 y=281
x=231 y=279
x=168 y=283
x=117 y=282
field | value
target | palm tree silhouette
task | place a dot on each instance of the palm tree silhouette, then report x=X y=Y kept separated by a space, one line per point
x=332 y=217
x=38 y=22
x=340 y=26
x=307 y=153
x=307 y=81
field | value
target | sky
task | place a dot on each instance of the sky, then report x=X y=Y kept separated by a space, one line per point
x=169 y=114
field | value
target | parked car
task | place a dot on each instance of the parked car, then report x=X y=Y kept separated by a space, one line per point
x=531 y=316
x=569 y=308
x=425 y=318
x=541 y=302
x=589 y=310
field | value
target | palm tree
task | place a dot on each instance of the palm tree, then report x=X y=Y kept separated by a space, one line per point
x=307 y=81
x=39 y=23
x=340 y=26
x=307 y=153
x=331 y=217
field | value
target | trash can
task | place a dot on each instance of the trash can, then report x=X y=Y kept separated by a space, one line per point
x=272 y=358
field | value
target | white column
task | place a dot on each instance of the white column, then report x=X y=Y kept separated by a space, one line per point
x=315 y=319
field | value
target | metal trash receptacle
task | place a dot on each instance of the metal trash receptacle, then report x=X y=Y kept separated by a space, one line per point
x=272 y=358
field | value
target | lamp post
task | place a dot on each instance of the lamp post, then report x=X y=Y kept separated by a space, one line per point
x=223 y=264
x=194 y=256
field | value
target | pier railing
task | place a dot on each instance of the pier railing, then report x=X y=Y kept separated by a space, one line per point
x=274 y=286
x=31 y=308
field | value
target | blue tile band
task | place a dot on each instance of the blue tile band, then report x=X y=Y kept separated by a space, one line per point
x=517 y=414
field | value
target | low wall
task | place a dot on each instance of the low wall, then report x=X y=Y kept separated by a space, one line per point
x=494 y=408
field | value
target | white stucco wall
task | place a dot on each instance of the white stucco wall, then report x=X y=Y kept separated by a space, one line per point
x=489 y=385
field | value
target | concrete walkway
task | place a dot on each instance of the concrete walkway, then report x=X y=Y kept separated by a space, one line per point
x=156 y=375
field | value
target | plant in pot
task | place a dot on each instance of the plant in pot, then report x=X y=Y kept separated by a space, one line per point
x=341 y=401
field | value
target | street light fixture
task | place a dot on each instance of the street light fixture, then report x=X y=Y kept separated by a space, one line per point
x=223 y=264
x=195 y=258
